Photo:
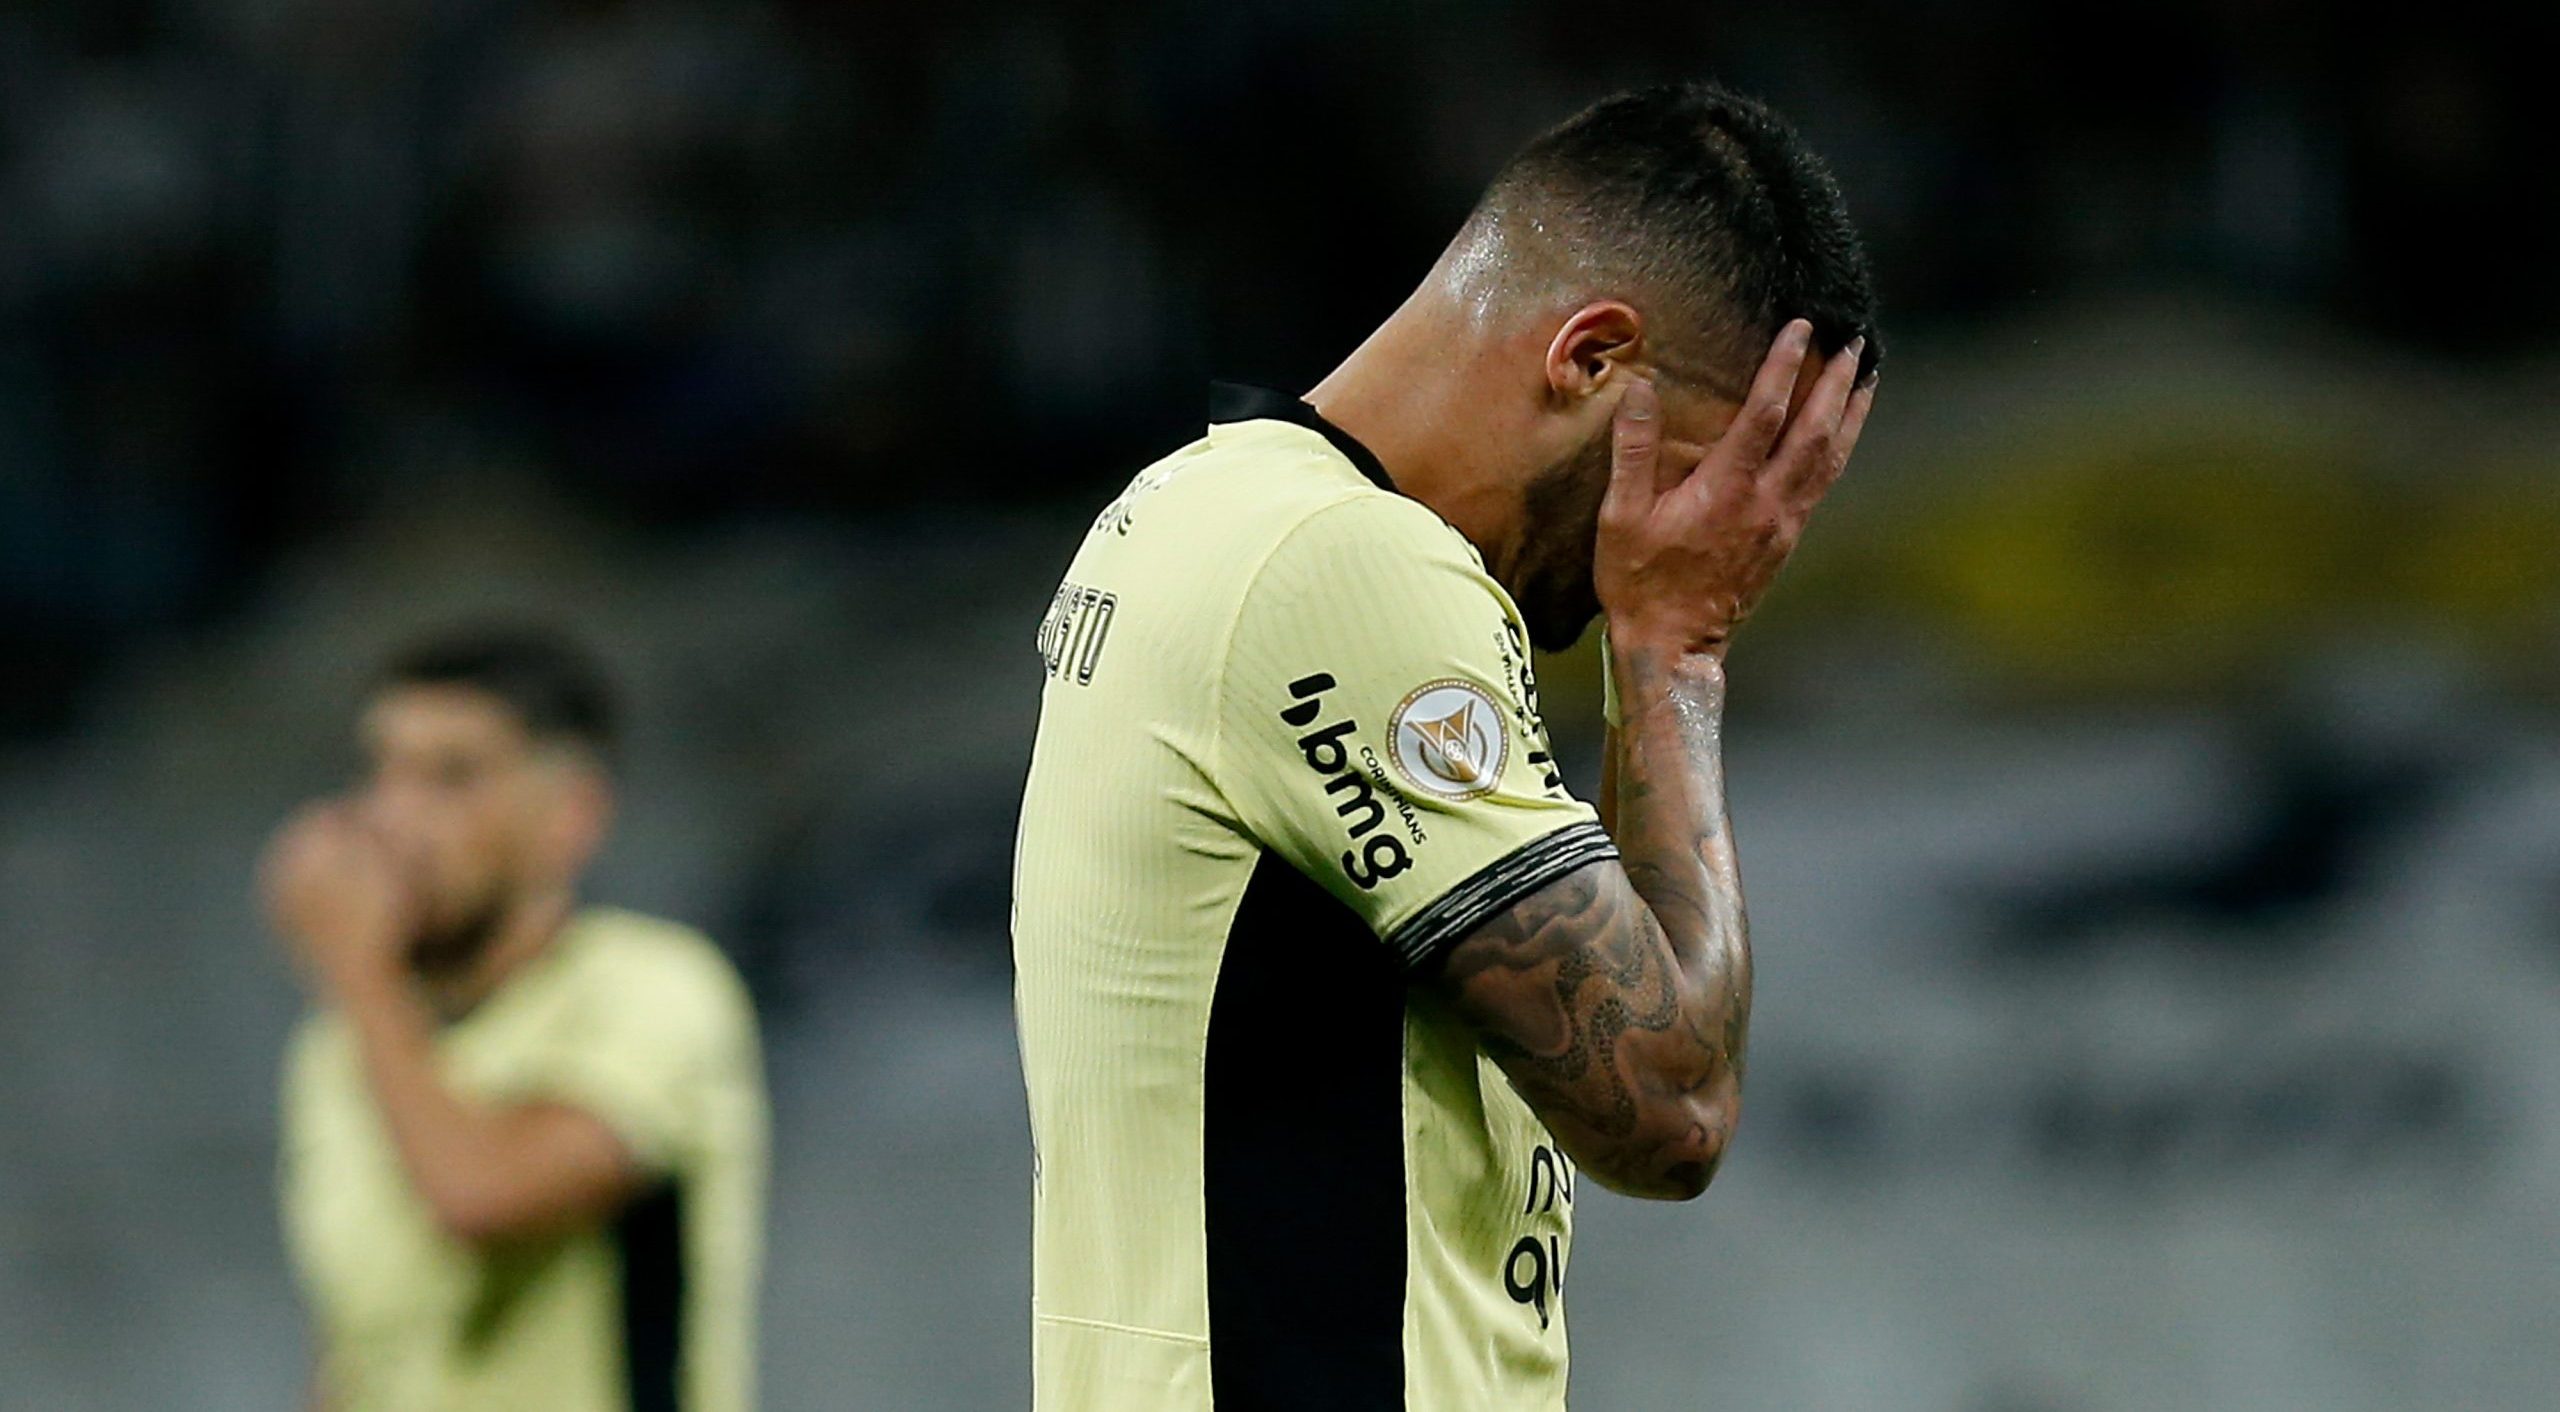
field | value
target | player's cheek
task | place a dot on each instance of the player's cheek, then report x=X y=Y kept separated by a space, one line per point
x=433 y=843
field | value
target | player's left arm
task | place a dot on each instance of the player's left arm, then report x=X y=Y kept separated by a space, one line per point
x=489 y=1172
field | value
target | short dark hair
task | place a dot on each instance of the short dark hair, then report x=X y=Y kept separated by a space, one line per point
x=1709 y=201
x=552 y=684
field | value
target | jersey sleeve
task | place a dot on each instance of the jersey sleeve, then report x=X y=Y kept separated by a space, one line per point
x=1378 y=728
x=299 y=1117
x=649 y=1054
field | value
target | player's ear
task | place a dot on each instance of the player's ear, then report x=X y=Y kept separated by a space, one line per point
x=1594 y=350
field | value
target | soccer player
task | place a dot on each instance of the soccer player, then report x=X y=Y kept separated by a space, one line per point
x=1329 y=991
x=524 y=1139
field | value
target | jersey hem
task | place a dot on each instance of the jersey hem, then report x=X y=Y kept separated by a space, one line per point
x=1491 y=889
x=1133 y=1330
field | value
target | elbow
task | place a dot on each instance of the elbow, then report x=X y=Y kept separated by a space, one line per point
x=1684 y=1177
x=473 y=1226
x=474 y=1215
x=1683 y=1163
x=1689 y=1178
x=1675 y=1180
x=485 y=1209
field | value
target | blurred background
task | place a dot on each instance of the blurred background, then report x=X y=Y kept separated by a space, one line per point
x=2149 y=775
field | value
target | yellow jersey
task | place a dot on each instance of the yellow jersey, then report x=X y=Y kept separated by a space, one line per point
x=641 y=1023
x=1289 y=751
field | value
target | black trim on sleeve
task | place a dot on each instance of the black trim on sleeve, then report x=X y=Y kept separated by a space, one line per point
x=1242 y=402
x=1496 y=886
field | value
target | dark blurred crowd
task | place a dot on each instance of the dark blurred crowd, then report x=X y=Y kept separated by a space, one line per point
x=265 y=264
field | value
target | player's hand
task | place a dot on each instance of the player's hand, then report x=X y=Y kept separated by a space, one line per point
x=335 y=891
x=1684 y=555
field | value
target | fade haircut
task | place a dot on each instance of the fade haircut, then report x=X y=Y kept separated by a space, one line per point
x=551 y=684
x=1700 y=207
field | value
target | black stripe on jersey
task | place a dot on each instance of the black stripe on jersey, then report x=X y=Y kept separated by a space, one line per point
x=1303 y=1144
x=649 y=1236
x=1495 y=887
x=1241 y=402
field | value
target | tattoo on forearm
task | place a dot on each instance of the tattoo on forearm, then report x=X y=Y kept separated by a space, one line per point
x=1618 y=999
x=1567 y=1030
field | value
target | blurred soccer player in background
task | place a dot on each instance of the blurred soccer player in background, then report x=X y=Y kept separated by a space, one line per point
x=524 y=1139
x=1328 y=988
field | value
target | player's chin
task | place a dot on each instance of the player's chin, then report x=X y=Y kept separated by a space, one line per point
x=1557 y=626
x=453 y=931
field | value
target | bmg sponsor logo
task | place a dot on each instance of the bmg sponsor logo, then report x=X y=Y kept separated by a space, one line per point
x=1374 y=856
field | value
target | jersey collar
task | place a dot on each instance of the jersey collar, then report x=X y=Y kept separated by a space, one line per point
x=1243 y=402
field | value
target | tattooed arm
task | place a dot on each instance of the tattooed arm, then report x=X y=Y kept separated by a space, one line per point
x=1618 y=997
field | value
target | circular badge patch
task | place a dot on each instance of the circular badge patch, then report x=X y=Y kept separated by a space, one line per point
x=1449 y=741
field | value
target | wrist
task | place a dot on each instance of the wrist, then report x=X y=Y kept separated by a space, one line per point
x=359 y=969
x=1632 y=632
x=1651 y=672
x=387 y=1009
x=1645 y=668
x=1627 y=646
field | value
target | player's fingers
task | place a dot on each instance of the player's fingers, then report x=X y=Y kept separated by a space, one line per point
x=1635 y=450
x=402 y=853
x=304 y=840
x=1813 y=436
x=1853 y=421
x=1745 y=446
x=354 y=831
x=317 y=824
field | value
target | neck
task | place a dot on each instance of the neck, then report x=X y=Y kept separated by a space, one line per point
x=524 y=933
x=1409 y=394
